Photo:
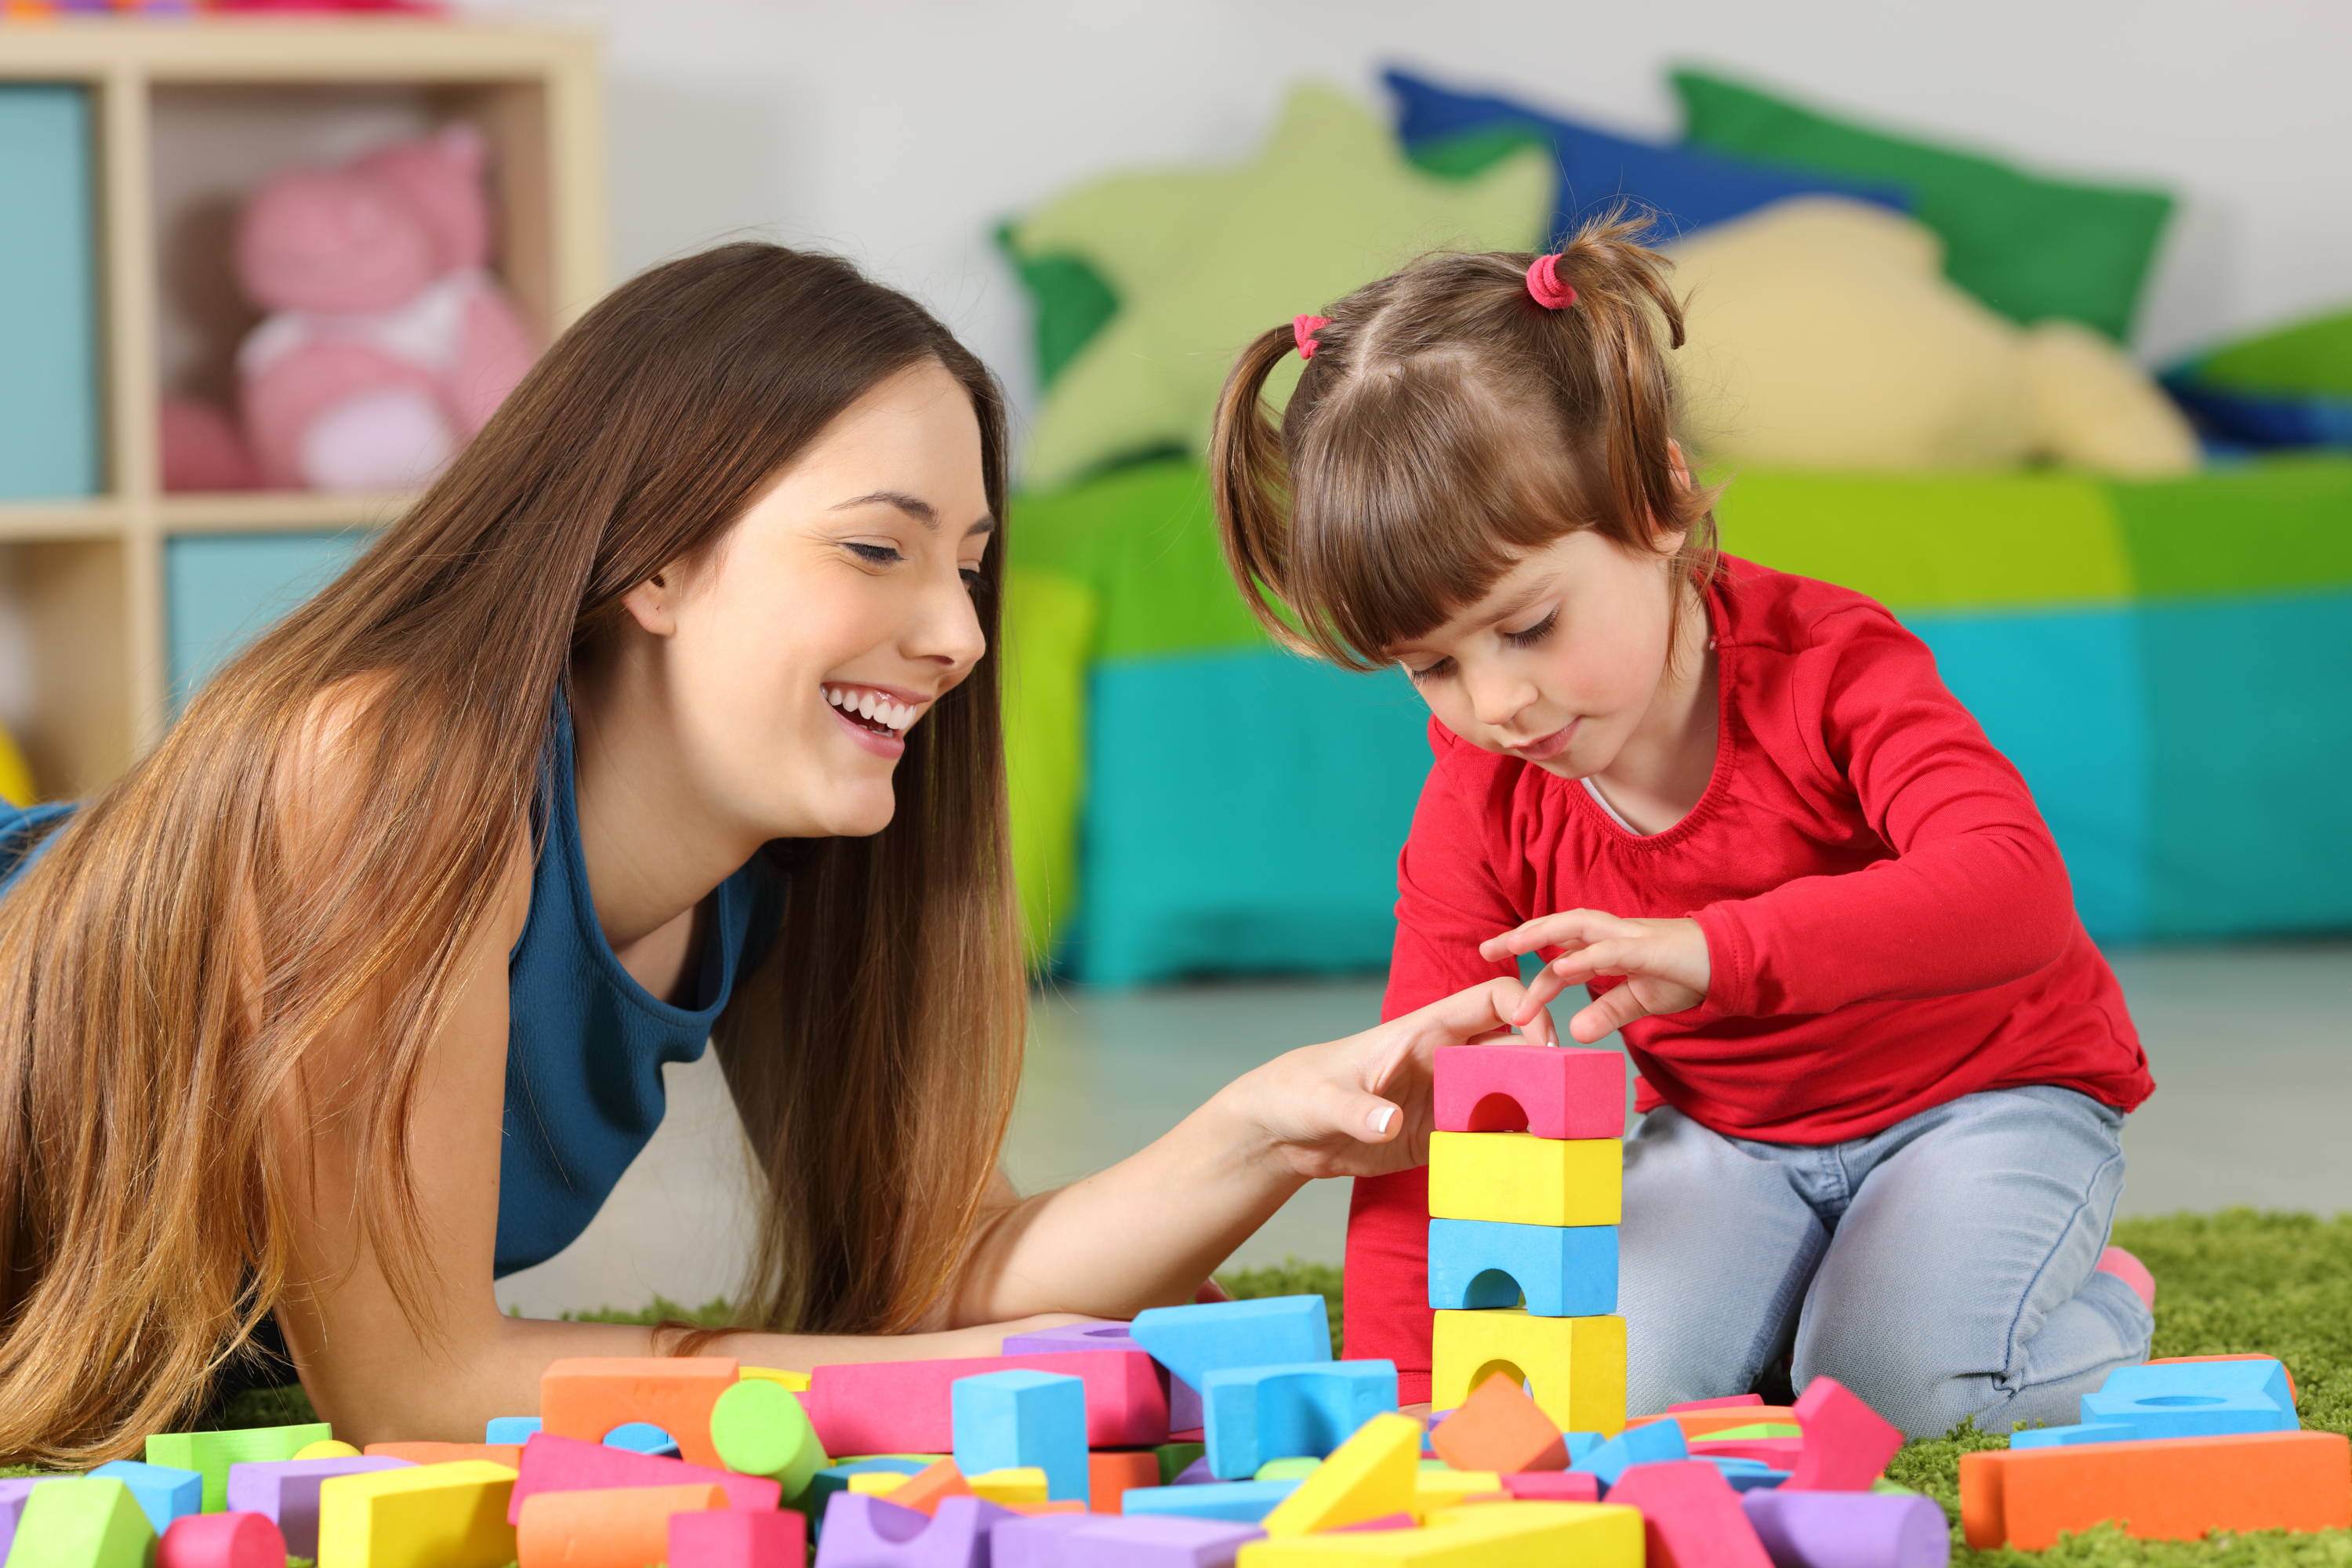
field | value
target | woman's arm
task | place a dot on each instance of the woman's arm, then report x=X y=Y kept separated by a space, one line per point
x=1146 y=1231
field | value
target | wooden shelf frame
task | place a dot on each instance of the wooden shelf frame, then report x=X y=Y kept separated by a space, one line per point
x=91 y=571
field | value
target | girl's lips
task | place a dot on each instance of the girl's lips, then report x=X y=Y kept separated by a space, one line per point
x=891 y=746
x=1549 y=746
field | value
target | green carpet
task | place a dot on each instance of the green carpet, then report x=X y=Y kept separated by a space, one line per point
x=2276 y=1283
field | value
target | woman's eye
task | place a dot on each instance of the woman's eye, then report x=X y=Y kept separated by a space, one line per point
x=1534 y=634
x=973 y=581
x=879 y=554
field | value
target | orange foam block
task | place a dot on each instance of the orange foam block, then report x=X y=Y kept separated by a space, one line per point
x=1112 y=1473
x=2163 y=1489
x=555 y=1464
x=1707 y=1419
x=1690 y=1516
x=1846 y=1443
x=587 y=1396
x=1499 y=1428
x=619 y=1527
x=926 y=1489
x=507 y=1454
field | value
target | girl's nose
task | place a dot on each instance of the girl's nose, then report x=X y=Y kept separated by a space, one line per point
x=1496 y=699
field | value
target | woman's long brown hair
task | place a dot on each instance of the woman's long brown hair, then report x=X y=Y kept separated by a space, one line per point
x=169 y=967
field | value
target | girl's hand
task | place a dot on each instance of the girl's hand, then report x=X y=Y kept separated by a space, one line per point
x=1664 y=963
x=1361 y=1107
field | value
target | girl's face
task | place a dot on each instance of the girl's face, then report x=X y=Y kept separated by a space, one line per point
x=1559 y=660
x=828 y=622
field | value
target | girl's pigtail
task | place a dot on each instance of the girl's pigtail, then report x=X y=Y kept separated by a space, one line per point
x=1249 y=482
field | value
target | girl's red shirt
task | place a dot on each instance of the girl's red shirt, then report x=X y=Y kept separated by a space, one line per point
x=1888 y=923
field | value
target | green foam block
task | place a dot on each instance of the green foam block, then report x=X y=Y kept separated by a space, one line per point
x=210 y=1454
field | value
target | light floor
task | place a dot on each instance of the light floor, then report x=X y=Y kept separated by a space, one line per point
x=2251 y=1049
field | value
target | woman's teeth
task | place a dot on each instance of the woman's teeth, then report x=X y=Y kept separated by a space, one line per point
x=876 y=711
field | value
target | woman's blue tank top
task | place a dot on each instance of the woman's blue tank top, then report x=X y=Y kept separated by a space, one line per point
x=585 y=1043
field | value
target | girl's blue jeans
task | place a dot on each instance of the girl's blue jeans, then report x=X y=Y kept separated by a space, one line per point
x=1942 y=1268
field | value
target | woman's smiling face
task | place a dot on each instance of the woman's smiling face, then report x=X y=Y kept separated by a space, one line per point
x=1558 y=662
x=828 y=621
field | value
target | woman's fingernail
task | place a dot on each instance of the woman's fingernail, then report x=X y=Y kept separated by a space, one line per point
x=1381 y=1117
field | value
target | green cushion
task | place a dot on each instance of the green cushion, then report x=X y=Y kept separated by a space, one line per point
x=1143 y=540
x=1068 y=303
x=1049 y=636
x=2028 y=245
x=2285 y=524
x=2313 y=356
x=1201 y=261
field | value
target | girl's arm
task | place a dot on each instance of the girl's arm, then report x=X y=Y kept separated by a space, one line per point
x=1146 y=1231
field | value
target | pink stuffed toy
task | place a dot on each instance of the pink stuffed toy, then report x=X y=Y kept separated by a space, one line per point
x=389 y=345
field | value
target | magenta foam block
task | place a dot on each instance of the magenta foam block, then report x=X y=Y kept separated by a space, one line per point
x=1552 y=1092
x=908 y=1407
x=1385 y=1522
x=737 y=1538
x=1732 y=1401
x=1846 y=1443
x=863 y=1532
x=1554 y=1486
x=1184 y=1399
x=552 y=1463
x=235 y=1540
x=1780 y=1453
x=1849 y=1529
x=285 y=1491
x=1690 y=1516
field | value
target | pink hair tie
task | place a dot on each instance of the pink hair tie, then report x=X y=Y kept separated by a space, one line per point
x=1544 y=284
x=1302 y=332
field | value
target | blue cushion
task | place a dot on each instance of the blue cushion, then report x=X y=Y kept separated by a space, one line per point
x=1689 y=188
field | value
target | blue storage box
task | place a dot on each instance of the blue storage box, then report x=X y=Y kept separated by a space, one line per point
x=49 y=440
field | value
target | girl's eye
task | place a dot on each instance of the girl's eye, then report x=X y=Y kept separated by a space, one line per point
x=1534 y=634
x=879 y=554
x=1428 y=672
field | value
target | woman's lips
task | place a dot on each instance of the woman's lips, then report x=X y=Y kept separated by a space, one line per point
x=1547 y=747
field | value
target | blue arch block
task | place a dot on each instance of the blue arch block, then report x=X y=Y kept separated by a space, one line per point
x=1564 y=1271
x=1251 y=1415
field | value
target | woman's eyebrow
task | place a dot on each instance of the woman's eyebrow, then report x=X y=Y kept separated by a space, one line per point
x=915 y=506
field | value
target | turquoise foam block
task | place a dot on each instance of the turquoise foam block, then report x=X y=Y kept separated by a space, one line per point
x=1244 y=1503
x=1562 y=1271
x=1202 y=1337
x=164 y=1492
x=1255 y=1414
x=2062 y=696
x=510 y=1428
x=1654 y=1443
x=49 y=425
x=835 y=1478
x=1019 y=1417
x=1244 y=813
x=2250 y=740
x=2194 y=1399
x=223 y=590
x=2068 y=1436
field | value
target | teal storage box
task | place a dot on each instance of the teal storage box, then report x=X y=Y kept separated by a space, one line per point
x=49 y=446
x=223 y=590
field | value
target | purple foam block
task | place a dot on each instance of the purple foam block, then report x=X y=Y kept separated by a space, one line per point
x=13 y=1492
x=287 y=1492
x=863 y=1532
x=1184 y=1399
x=1849 y=1529
x=1034 y=1542
x=1196 y=1474
x=1156 y=1540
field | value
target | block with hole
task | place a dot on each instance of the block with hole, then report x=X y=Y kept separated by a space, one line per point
x=1519 y=1179
x=1846 y=1444
x=1551 y=1091
x=2201 y=1399
x=1022 y=1416
x=427 y=1516
x=588 y=1396
x=81 y=1521
x=555 y=1463
x=210 y=1454
x=908 y=1407
x=1476 y=1535
x=1370 y=1475
x=231 y=1540
x=1574 y=1368
x=1245 y=1502
x=868 y=1532
x=1690 y=1516
x=285 y=1492
x=1499 y=1428
x=737 y=1538
x=1886 y=1530
x=618 y=1527
x=2165 y=1488
x=1554 y=1271
x=1260 y=1413
x=1202 y=1337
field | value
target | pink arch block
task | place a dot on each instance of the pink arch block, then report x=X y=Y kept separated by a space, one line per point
x=1552 y=1092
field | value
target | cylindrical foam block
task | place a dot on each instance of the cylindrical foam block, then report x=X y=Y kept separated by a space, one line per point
x=617 y=1527
x=1849 y=1529
x=761 y=1428
x=222 y=1540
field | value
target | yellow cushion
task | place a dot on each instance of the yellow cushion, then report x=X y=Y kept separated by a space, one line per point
x=2096 y=408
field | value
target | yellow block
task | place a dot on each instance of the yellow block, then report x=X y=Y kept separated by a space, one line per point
x=798 y=1382
x=1015 y=1483
x=1575 y=1367
x=1521 y=1179
x=1434 y=1492
x=1367 y=1477
x=431 y=1516
x=1478 y=1535
x=327 y=1448
x=878 y=1483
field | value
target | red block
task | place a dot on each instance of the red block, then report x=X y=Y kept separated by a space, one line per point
x=1846 y=1443
x=906 y=1406
x=738 y=1538
x=222 y=1540
x=558 y=1464
x=1554 y=1486
x=1690 y=1516
x=1552 y=1092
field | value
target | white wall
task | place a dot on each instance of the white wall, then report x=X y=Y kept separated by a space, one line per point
x=900 y=131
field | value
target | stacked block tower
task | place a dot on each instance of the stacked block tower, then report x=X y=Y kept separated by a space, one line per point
x=1526 y=1191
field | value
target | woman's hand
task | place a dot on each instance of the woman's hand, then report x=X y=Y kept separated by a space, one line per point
x=1361 y=1107
x=1664 y=963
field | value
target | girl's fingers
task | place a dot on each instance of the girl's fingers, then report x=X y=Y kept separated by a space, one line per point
x=1610 y=1011
x=1547 y=931
x=1546 y=984
x=1600 y=958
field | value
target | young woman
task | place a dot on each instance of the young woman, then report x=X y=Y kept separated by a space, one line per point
x=670 y=713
